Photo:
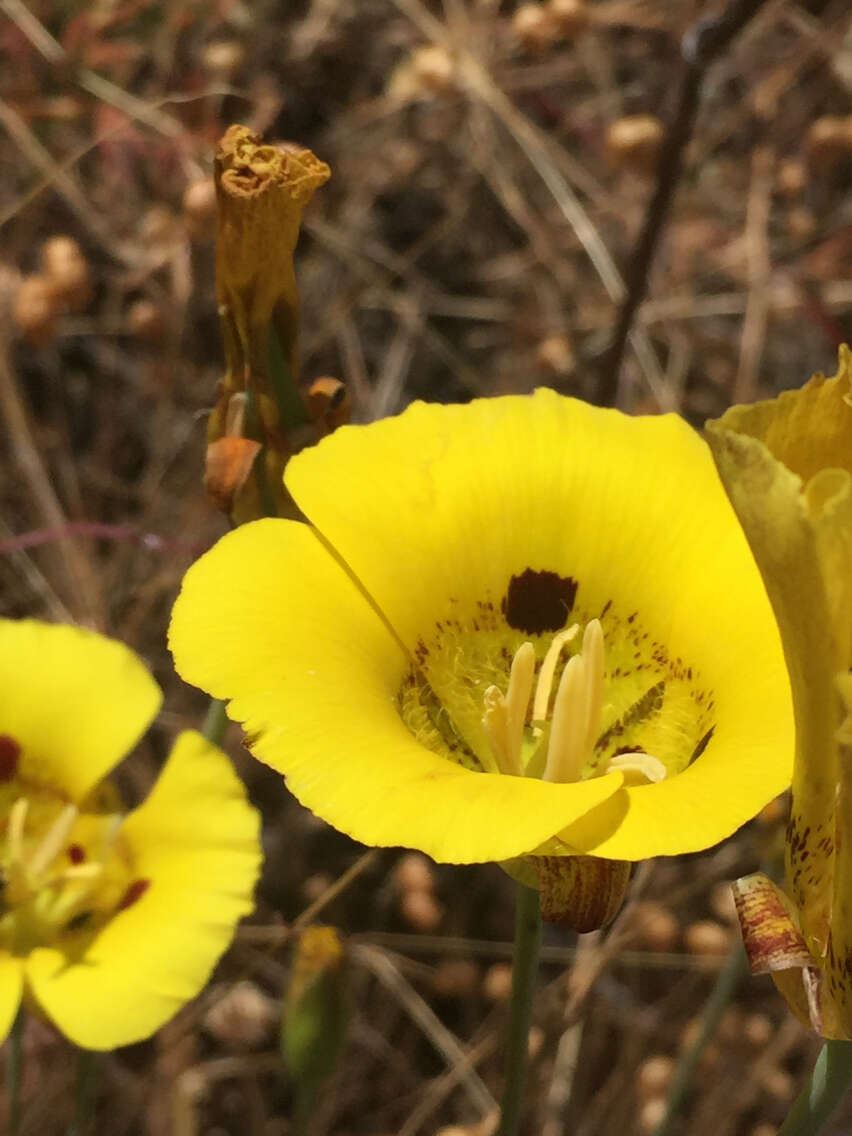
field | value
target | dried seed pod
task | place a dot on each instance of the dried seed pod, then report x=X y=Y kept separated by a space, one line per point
x=654 y=1076
x=828 y=142
x=651 y=1114
x=242 y=1018
x=414 y=872
x=34 y=310
x=655 y=926
x=223 y=58
x=556 y=355
x=433 y=68
x=634 y=142
x=757 y=1030
x=67 y=271
x=455 y=978
x=145 y=321
x=421 y=910
x=570 y=16
x=535 y=27
x=199 y=208
x=497 y=985
x=706 y=937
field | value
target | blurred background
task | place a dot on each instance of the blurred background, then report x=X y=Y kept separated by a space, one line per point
x=491 y=166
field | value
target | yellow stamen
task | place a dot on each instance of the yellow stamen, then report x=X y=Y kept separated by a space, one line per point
x=637 y=767
x=54 y=841
x=565 y=755
x=15 y=829
x=545 y=675
x=504 y=716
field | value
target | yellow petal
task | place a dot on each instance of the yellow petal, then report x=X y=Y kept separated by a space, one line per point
x=195 y=839
x=11 y=988
x=73 y=700
x=271 y=620
x=436 y=511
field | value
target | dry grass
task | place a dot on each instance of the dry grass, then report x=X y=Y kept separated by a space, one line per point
x=471 y=242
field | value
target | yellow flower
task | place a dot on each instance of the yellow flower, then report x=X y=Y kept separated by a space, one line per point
x=787 y=466
x=521 y=626
x=108 y=922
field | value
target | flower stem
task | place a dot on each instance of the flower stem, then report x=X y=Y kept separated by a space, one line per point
x=215 y=721
x=14 y=1069
x=830 y=1079
x=524 y=967
x=84 y=1097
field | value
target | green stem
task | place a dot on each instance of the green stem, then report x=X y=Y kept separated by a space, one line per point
x=14 y=1070
x=84 y=1097
x=524 y=968
x=727 y=981
x=830 y=1079
x=215 y=721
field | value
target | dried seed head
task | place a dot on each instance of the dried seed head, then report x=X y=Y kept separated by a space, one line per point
x=243 y=1018
x=456 y=978
x=655 y=926
x=651 y=1114
x=571 y=16
x=66 y=269
x=828 y=142
x=757 y=1030
x=497 y=985
x=535 y=27
x=654 y=1076
x=706 y=937
x=414 y=872
x=556 y=355
x=145 y=321
x=634 y=142
x=34 y=310
x=421 y=910
x=433 y=68
x=223 y=58
x=792 y=177
x=199 y=208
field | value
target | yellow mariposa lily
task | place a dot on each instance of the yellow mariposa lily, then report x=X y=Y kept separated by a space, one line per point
x=109 y=922
x=787 y=466
x=516 y=628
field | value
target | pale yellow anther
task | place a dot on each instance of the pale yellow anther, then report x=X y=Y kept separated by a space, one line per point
x=15 y=829
x=544 y=685
x=504 y=716
x=593 y=657
x=565 y=755
x=54 y=841
x=638 y=767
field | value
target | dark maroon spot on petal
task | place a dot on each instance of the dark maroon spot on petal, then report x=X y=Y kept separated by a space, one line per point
x=539 y=601
x=134 y=892
x=10 y=752
x=76 y=853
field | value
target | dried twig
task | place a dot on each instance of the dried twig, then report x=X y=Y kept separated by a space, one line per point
x=701 y=46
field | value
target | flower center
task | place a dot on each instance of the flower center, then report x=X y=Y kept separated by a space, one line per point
x=64 y=870
x=563 y=740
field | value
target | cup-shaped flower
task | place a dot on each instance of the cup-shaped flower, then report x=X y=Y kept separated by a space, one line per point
x=109 y=922
x=787 y=466
x=521 y=627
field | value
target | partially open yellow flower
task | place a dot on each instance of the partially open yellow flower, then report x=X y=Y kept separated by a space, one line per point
x=787 y=466
x=108 y=922
x=525 y=625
